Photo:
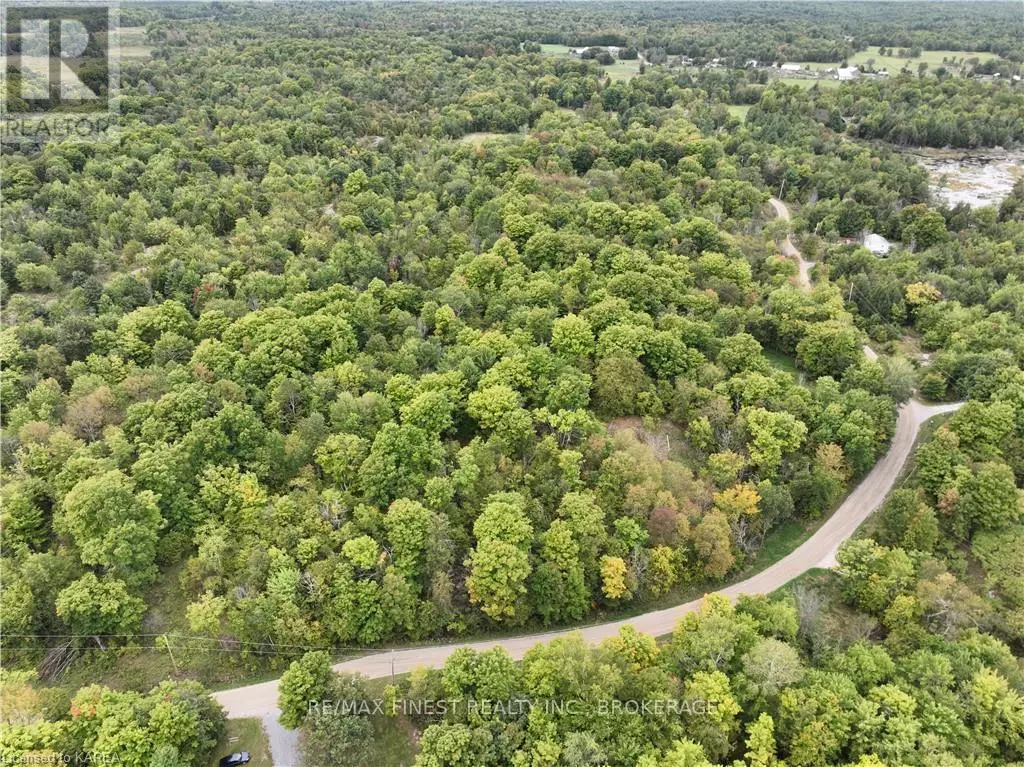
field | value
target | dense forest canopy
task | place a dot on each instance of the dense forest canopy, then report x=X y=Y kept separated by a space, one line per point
x=792 y=30
x=380 y=323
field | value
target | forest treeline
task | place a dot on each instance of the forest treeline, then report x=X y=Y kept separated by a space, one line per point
x=732 y=31
x=915 y=111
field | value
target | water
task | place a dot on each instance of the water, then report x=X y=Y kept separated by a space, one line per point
x=976 y=178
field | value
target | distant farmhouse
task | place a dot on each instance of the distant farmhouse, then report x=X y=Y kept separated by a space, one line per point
x=612 y=49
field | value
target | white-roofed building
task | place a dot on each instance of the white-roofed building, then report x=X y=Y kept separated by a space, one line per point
x=877 y=244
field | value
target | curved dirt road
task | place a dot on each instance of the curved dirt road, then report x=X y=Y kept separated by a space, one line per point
x=803 y=266
x=789 y=249
x=259 y=700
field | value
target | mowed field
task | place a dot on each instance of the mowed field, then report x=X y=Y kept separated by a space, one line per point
x=131 y=43
x=620 y=70
x=933 y=59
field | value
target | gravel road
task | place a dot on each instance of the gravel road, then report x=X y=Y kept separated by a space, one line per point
x=789 y=249
x=259 y=700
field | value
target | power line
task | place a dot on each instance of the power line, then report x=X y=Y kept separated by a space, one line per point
x=150 y=648
x=191 y=637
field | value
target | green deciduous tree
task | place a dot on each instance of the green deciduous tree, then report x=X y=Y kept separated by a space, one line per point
x=716 y=729
x=771 y=436
x=94 y=607
x=572 y=336
x=400 y=460
x=491 y=405
x=306 y=681
x=409 y=525
x=113 y=525
x=828 y=348
x=620 y=386
x=873 y=575
x=500 y=563
x=712 y=540
x=772 y=665
x=989 y=498
x=340 y=457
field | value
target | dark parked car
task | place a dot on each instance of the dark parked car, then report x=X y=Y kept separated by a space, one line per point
x=234 y=760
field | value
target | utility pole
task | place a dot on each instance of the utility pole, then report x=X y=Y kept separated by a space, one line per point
x=167 y=643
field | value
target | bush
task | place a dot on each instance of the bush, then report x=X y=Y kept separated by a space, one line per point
x=36 y=277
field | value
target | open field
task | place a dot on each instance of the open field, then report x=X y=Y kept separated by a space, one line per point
x=623 y=70
x=933 y=59
x=620 y=70
x=135 y=51
x=131 y=43
x=550 y=49
x=131 y=34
